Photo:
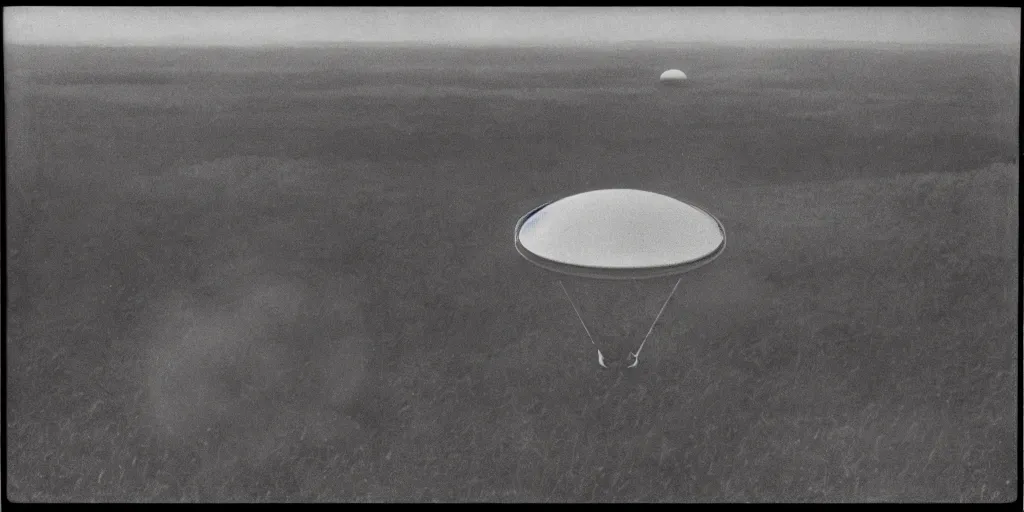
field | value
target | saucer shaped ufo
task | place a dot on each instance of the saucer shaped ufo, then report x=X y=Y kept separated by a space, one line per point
x=619 y=234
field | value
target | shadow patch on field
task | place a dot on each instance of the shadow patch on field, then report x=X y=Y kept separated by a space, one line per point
x=236 y=369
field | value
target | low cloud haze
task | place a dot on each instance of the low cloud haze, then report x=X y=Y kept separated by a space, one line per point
x=245 y=26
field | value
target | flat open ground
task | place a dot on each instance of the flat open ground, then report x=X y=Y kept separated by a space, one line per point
x=288 y=275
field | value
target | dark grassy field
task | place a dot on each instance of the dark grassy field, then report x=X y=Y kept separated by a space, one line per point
x=288 y=275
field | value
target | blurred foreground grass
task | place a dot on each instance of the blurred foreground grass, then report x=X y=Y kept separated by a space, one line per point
x=225 y=332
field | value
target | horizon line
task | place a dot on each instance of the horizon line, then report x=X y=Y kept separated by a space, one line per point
x=503 y=43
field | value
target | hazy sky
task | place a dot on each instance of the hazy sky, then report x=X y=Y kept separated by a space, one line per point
x=274 y=25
